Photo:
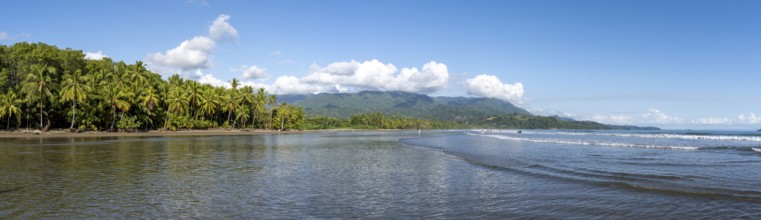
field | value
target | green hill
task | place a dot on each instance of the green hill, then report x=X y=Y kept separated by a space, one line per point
x=463 y=110
x=458 y=109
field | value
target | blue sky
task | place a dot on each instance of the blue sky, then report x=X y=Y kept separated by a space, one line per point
x=672 y=64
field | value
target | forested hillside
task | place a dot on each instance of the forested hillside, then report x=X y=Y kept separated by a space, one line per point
x=458 y=109
x=43 y=87
x=341 y=110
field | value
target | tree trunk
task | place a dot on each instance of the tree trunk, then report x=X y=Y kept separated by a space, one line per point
x=270 y=119
x=166 y=120
x=73 y=113
x=228 y=116
x=113 y=120
x=40 y=114
x=253 y=120
x=47 y=126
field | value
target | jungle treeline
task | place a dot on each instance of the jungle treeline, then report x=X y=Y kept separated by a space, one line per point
x=44 y=87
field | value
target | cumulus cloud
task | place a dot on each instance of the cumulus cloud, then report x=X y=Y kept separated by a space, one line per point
x=742 y=119
x=656 y=116
x=492 y=87
x=750 y=119
x=95 y=55
x=221 y=30
x=253 y=72
x=294 y=85
x=5 y=36
x=611 y=119
x=208 y=78
x=195 y=53
x=190 y=54
x=375 y=75
x=711 y=121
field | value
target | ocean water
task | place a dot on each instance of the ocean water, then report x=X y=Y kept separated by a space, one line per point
x=398 y=174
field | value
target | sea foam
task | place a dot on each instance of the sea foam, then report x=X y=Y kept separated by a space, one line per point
x=596 y=143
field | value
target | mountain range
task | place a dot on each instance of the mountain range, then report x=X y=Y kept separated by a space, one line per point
x=466 y=110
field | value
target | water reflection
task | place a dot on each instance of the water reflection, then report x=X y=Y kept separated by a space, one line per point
x=315 y=175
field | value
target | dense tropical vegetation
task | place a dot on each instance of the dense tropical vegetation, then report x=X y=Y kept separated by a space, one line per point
x=378 y=120
x=42 y=87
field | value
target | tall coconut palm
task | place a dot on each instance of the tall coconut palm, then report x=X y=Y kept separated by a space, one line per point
x=10 y=106
x=194 y=94
x=246 y=100
x=242 y=116
x=74 y=89
x=230 y=103
x=260 y=99
x=116 y=99
x=149 y=100
x=234 y=83
x=272 y=101
x=209 y=103
x=139 y=74
x=38 y=85
x=120 y=76
x=177 y=101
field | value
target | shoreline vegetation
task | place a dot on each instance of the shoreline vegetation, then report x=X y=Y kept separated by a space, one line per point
x=57 y=92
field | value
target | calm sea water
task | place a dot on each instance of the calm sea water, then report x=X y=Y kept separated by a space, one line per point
x=439 y=174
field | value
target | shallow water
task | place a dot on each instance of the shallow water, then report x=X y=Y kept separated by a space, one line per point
x=441 y=174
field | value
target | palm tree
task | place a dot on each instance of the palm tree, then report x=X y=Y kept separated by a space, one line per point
x=259 y=102
x=242 y=116
x=74 y=89
x=149 y=99
x=178 y=103
x=272 y=100
x=246 y=100
x=139 y=75
x=119 y=77
x=37 y=83
x=230 y=103
x=283 y=112
x=175 y=80
x=209 y=103
x=234 y=83
x=194 y=93
x=9 y=106
x=116 y=99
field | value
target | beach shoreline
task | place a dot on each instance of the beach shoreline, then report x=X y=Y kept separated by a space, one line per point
x=154 y=133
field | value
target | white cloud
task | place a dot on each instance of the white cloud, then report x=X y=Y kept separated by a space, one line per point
x=656 y=116
x=490 y=86
x=375 y=75
x=5 y=36
x=294 y=85
x=253 y=72
x=190 y=54
x=208 y=78
x=611 y=119
x=221 y=30
x=256 y=85
x=195 y=53
x=711 y=121
x=750 y=119
x=95 y=55
x=742 y=119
